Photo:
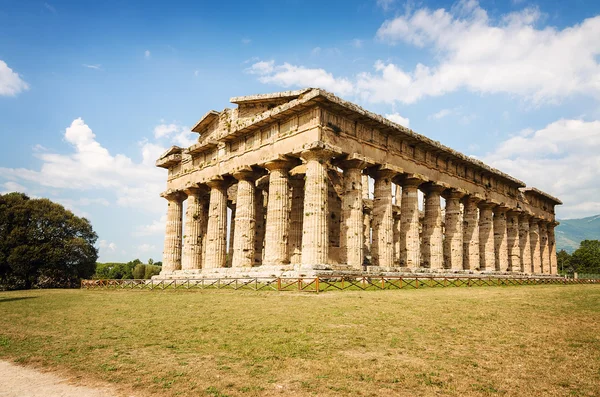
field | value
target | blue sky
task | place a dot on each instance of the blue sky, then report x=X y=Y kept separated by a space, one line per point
x=92 y=92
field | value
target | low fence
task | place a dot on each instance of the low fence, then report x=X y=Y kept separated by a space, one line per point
x=329 y=283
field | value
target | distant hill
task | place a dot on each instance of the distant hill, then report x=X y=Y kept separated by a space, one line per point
x=571 y=232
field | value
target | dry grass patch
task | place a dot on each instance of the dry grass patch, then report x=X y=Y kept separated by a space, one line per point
x=511 y=341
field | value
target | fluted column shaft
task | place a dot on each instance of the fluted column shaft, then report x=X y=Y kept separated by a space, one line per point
x=172 y=248
x=409 y=224
x=217 y=225
x=525 y=243
x=500 y=239
x=278 y=214
x=544 y=249
x=383 y=221
x=296 y=217
x=470 y=233
x=195 y=218
x=315 y=244
x=512 y=239
x=230 y=240
x=352 y=216
x=534 y=236
x=245 y=221
x=552 y=248
x=259 y=206
x=432 y=250
x=367 y=218
x=453 y=242
x=487 y=255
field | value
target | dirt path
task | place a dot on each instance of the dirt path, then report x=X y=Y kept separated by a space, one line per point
x=16 y=381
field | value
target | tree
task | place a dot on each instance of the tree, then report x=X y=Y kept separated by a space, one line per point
x=151 y=261
x=586 y=258
x=42 y=244
x=563 y=260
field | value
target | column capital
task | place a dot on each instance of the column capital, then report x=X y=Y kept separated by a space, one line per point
x=385 y=171
x=453 y=193
x=486 y=205
x=411 y=180
x=246 y=173
x=173 y=195
x=501 y=209
x=525 y=216
x=194 y=190
x=534 y=220
x=472 y=198
x=319 y=151
x=217 y=182
x=280 y=163
x=354 y=161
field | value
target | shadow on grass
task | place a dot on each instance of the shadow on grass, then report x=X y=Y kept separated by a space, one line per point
x=2 y=300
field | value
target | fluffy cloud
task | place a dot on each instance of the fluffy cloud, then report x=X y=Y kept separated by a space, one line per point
x=11 y=83
x=396 y=118
x=156 y=227
x=563 y=159
x=179 y=134
x=147 y=54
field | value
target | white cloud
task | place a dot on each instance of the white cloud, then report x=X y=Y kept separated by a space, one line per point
x=314 y=51
x=95 y=67
x=385 y=4
x=11 y=83
x=562 y=159
x=179 y=134
x=145 y=248
x=50 y=8
x=396 y=118
x=9 y=187
x=288 y=75
x=108 y=246
x=156 y=227
x=441 y=114
x=357 y=43
x=147 y=54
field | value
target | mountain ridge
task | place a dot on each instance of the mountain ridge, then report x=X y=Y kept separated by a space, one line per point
x=571 y=232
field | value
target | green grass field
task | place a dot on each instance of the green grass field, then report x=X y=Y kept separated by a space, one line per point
x=512 y=341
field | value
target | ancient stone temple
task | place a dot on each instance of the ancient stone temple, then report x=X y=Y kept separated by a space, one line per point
x=304 y=183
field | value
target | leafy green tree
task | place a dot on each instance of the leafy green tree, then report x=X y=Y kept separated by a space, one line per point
x=151 y=261
x=586 y=258
x=564 y=261
x=139 y=271
x=42 y=244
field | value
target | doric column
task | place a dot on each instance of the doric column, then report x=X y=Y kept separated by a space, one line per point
x=172 y=248
x=245 y=219
x=512 y=239
x=367 y=217
x=470 y=233
x=195 y=219
x=296 y=217
x=544 y=249
x=382 y=250
x=365 y=186
x=487 y=256
x=351 y=229
x=398 y=195
x=525 y=243
x=217 y=224
x=500 y=240
x=534 y=236
x=396 y=237
x=552 y=247
x=315 y=244
x=453 y=241
x=432 y=249
x=409 y=223
x=232 y=207
x=260 y=211
x=278 y=213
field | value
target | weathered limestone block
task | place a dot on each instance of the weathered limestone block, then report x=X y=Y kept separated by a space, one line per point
x=296 y=217
x=544 y=248
x=471 y=233
x=514 y=248
x=487 y=255
x=245 y=220
x=382 y=249
x=500 y=239
x=195 y=220
x=217 y=225
x=315 y=244
x=365 y=186
x=525 y=243
x=453 y=242
x=172 y=249
x=552 y=247
x=352 y=214
x=536 y=253
x=432 y=250
x=278 y=213
x=409 y=223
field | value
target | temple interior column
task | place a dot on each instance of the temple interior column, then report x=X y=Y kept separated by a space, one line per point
x=232 y=207
x=552 y=248
x=296 y=217
x=245 y=220
x=500 y=239
x=315 y=244
x=396 y=238
x=217 y=225
x=544 y=249
x=195 y=218
x=432 y=250
x=352 y=215
x=172 y=248
x=534 y=236
x=453 y=241
x=487 y=255
x=367 y=217
x=471 y=233
x=512 y=236
x=278 y=214
x=382 y=250
x=260 y=212
x=409 y=223
x=525 y=243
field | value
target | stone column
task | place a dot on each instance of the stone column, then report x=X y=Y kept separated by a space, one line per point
x=382 y=250
x=259 y=205
x=245 y=220
x=552 y=247
x=367 y=217
x=351 y=229
x=470 y=233
x=365 y=186
x=525 y=243
x=396 y=238
x=487 y=255
x=512 y=239
x=432 y=250
x=232 y=206
x=534 y=236
x=500 y=239
x=315 y=244
x=409 y=223
x=453 y=243
x=296 y=216
x=278 y=214
x=172 y=248
x=195 y=218
x=217 y=225
x=544 y=249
